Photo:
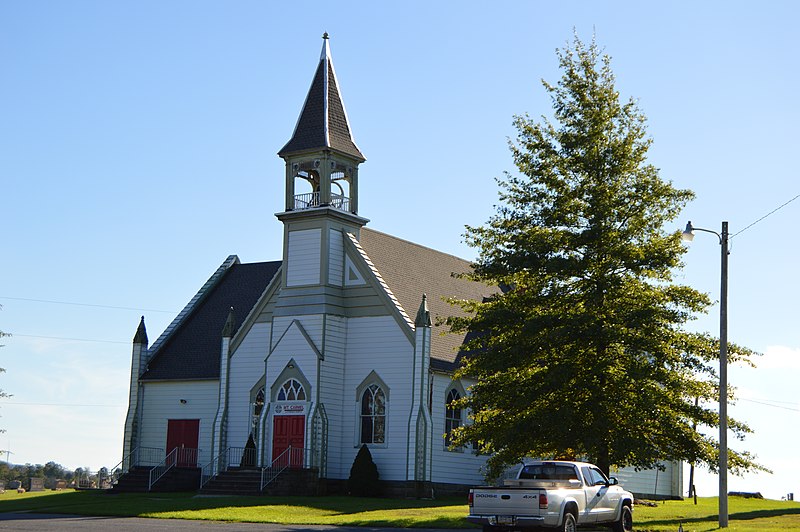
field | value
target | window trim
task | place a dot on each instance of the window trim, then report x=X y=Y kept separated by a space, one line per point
x=459 y=389
x=372 y=379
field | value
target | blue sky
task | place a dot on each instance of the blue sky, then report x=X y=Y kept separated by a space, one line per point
x=138 y=149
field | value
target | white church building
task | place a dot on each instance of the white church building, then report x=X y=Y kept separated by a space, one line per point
x=331 y=347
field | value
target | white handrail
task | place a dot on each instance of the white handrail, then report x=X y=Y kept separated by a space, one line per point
x=225 y=460
x=290 y=457
x=131 y=460
x=161 y=469
x=177 y=456
x=211 y=469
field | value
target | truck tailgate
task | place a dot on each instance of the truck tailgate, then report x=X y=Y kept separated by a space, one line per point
x=506 y=501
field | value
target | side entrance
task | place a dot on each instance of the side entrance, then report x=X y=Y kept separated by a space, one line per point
x=184 y=435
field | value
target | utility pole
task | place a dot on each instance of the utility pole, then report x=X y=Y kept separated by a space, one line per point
x=723 y=380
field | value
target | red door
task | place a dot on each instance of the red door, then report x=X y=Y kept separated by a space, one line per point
x=184 y=435
x=288 y=431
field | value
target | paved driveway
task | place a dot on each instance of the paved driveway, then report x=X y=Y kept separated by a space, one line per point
x=54 y=522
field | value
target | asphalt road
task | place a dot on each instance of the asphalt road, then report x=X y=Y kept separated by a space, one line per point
x=57 y=522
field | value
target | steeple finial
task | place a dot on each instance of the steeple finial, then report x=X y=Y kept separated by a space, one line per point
x=230 y=325
x=423 y=314
x=325 y=35
x=141 y=334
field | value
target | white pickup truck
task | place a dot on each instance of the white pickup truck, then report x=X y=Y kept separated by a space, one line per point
x=553 y=495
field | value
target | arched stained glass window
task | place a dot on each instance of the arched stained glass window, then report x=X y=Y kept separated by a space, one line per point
x=452 y=416
x=373 y=415
x=258 y=407
x=292 y=391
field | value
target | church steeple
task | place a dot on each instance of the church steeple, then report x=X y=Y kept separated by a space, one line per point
x=321 y=157
x=323 y=123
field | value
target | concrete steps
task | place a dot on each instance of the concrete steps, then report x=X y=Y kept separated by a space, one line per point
x=176 y=479
x=247 y=481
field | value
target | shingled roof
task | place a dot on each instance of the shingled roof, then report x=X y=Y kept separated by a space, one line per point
x=411 y=270
x=323 y=121
x=190 y=347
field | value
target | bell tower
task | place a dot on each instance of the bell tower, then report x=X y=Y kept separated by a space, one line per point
x=321 y=157
x=321 y=200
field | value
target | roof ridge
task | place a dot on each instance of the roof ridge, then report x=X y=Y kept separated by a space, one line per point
x=370 y=229
x=193 y=304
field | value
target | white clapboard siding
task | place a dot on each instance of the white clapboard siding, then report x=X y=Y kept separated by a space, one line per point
x=336 y=257
x=303 y=257
x=452 y=467
x=331 y=378
x=376 y=344
x=162 y=401
x=312 y=325
x=292 y=344
x=246 y=369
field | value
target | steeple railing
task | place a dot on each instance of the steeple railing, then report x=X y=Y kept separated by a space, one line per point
x=311 y=200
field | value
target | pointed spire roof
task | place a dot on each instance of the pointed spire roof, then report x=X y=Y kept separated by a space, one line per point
x=230 y=325
x=141 y=334
x=323 y=121
x=423 y=314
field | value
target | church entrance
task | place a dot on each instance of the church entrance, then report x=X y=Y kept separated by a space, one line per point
x=288 y=431
x=184 y=435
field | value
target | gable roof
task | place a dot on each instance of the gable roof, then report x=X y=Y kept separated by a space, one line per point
x=189 y=349
x=411 y=270
x=323 y=120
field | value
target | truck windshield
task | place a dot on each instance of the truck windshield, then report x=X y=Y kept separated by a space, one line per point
x=548 y=472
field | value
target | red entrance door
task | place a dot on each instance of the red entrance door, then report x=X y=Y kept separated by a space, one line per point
x=288 y=431
x=183 y=434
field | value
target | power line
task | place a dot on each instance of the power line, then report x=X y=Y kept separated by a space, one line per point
x=60 y=404
x=85 y=304
x=772 y=405
x=68 y=339
x=766 y=215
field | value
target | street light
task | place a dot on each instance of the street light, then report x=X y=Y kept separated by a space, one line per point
x=688 y=236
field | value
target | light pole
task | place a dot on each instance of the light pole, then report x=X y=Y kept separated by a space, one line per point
x=688 y=235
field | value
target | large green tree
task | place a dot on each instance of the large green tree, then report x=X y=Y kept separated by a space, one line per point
x=583 y=353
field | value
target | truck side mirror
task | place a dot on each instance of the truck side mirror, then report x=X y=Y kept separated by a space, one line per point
x=612 y=481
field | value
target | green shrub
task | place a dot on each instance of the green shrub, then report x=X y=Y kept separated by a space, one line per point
x=364 y=478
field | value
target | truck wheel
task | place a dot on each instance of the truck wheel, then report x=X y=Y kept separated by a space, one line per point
x=569 y=524
x=625 y=522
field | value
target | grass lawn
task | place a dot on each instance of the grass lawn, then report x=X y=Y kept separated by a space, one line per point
x=745 y=514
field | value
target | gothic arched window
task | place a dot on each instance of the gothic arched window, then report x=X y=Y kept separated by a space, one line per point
x=373 y=415
x=452 y=416
x=292 y=391
x=257 y=408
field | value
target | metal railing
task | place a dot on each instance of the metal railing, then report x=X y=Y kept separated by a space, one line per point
x=212 y=469
x=306 y=201
x=230 y=457
x=291 y=457
x=180 y=457
x=140 y=456
x=310 y=200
